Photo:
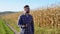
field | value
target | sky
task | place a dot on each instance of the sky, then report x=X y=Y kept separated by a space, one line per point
x=17 y=5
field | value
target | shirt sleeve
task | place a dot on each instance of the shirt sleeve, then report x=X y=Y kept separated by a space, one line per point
x=20 y=20
x=32 y=25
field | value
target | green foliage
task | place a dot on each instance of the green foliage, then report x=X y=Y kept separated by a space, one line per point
x=4 y=29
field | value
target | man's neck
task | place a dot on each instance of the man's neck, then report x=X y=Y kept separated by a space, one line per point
x=26 y=13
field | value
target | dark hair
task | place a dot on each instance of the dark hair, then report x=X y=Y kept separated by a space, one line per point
x=26 y=6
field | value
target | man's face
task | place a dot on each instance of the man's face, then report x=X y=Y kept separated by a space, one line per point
x=27 y=9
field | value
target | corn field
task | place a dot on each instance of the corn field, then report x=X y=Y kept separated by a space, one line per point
x=49 y=17
x=46 y=21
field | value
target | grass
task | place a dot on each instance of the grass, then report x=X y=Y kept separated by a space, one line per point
x=4 y=29
x=46 y=30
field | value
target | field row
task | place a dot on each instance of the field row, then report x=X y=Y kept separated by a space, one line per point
x=4 y=29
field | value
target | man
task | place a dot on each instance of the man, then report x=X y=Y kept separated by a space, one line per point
x=26 y=22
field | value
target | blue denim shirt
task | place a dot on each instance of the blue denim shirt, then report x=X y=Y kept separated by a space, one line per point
x=27 y=19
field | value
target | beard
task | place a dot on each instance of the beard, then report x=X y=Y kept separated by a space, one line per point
x=27 y=12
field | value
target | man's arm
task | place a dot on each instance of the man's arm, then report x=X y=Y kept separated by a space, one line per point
x=20 y=22
x=32 y=25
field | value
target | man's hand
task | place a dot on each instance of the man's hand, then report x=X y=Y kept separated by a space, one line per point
x=24 y=25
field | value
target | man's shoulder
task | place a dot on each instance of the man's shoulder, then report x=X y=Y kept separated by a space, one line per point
x=22 y=15
x=30 y=15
